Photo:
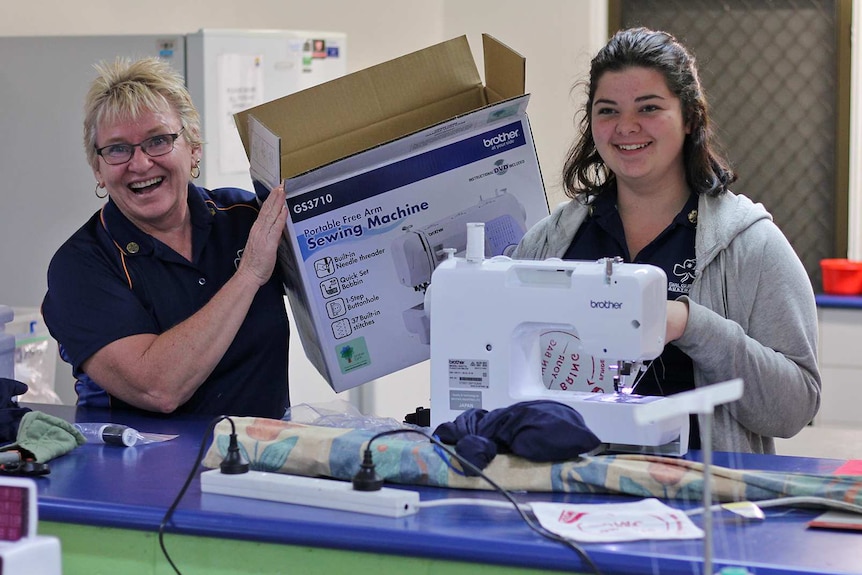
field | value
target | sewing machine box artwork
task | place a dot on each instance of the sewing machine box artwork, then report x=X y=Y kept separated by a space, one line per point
x=383 y=169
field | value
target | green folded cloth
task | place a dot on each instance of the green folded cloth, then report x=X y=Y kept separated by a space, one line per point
x=44 y=437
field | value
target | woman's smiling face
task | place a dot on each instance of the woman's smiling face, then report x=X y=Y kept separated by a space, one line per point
x=638 y=127
x=150 y=191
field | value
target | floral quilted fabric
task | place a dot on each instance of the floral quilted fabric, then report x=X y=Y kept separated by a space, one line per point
x=411 y=459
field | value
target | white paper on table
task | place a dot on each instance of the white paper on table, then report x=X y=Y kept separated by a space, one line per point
x=610 y=522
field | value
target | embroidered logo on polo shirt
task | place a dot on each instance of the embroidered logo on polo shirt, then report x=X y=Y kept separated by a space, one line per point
x=238 y=257
x=685 y=273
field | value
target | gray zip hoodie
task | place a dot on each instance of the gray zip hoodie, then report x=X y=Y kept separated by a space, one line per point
x=752 y=315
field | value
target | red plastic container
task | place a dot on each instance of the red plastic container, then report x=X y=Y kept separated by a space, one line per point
x=841 y=276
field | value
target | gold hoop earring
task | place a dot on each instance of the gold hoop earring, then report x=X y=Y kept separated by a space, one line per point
x=101 y=196
x=196 y=170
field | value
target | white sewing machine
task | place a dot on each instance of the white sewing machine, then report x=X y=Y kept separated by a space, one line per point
x=419 y=250
x=486 y=319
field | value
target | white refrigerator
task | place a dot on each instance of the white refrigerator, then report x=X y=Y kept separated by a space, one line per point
x=46 y=185
x=231 y=70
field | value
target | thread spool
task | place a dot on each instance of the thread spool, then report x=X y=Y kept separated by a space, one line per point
x=475 y=241
x=108 y=433
x=119 y=435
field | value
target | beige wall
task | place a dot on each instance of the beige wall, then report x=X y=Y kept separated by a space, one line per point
x=556 y=36
x=379 y=29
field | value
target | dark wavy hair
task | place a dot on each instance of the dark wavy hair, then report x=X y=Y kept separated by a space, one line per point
x=706 y=170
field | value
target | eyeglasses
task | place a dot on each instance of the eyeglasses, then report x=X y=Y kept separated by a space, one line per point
x=115 y=154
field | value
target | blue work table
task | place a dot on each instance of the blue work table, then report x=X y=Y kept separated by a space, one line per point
x=106 y=503
x=838 y=301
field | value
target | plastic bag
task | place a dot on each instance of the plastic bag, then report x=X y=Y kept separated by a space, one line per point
x=341 y=414
x=116 y=434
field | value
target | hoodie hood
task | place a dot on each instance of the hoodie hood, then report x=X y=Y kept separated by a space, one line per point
x=720 y=219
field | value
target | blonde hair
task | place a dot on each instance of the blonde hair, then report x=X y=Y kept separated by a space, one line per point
x=127 y=89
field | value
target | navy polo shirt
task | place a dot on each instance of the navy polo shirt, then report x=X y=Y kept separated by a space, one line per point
x=110 y=280
x=602 y=235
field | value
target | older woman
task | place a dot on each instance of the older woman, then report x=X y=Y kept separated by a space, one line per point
x=167 y=299
x=648 y=185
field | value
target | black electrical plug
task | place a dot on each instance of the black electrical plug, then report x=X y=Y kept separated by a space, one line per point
x=420 y=417
x=234 y=463
x=366 y=479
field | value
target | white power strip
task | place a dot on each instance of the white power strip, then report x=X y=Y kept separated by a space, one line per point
x=312 y=491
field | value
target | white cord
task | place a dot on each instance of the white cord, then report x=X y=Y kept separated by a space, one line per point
x=800 y=500
x=472 y=502
x=794 y=501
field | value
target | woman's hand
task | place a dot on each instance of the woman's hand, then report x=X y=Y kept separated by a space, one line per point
x=259 y=256
x=677 y=319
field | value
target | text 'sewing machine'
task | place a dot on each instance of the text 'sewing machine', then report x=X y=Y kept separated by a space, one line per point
x=486 y=319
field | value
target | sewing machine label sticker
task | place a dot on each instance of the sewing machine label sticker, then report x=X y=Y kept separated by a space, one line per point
x=467 y=379
x=462 y=399
x=468 y=373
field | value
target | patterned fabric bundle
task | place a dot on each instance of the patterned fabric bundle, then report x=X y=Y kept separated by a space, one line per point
x=411 y=459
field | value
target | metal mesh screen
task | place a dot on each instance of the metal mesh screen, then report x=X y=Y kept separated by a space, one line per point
x=770 y=70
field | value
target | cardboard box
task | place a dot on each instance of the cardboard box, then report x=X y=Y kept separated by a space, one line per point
x=384 y=168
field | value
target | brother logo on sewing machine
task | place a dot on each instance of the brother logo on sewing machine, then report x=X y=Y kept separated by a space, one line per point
x=606 y=304
x=501 y=329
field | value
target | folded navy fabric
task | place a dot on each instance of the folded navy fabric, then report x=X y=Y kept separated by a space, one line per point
x=540 y=430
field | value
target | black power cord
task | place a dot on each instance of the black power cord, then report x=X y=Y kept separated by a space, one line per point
x=234 y=463
x=367 y=478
